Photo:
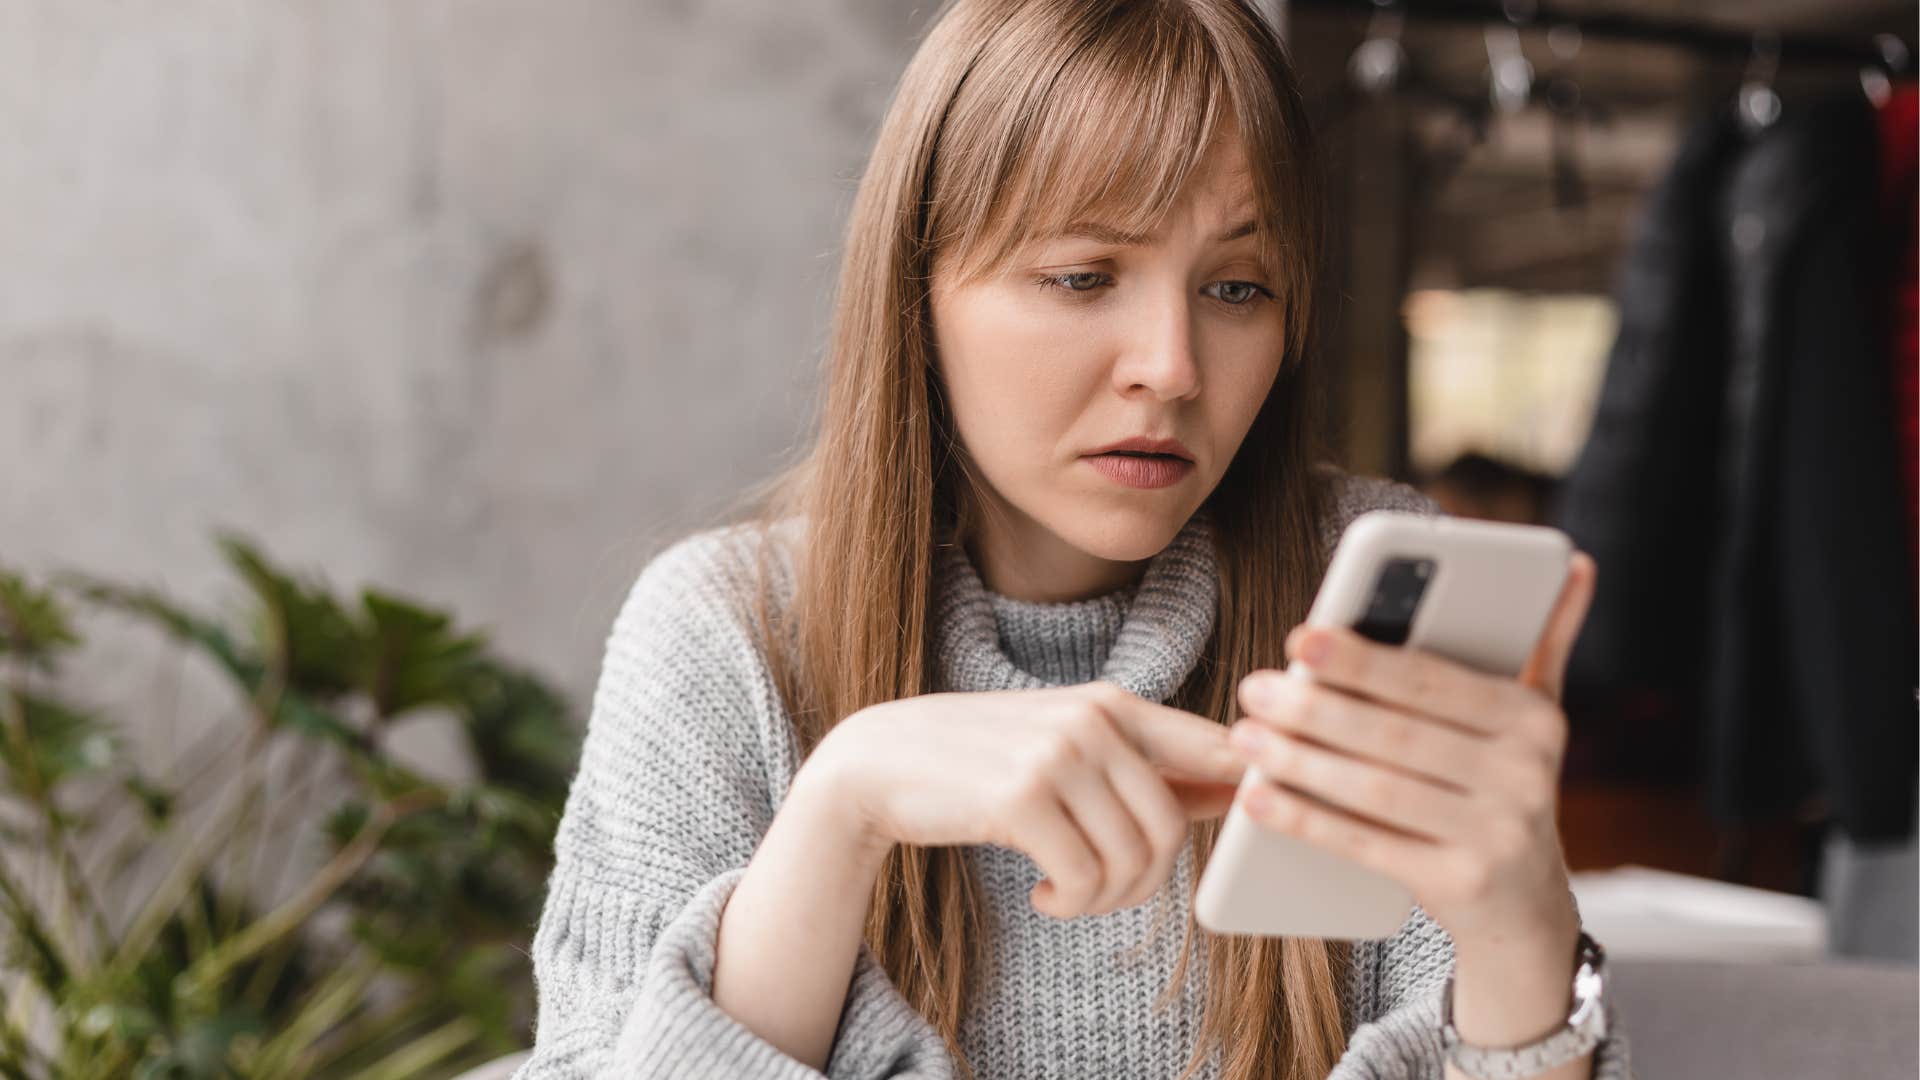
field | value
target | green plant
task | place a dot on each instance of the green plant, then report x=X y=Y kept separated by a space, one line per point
x=431 y=888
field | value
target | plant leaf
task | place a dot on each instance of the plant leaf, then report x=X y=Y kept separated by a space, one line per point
x=297 y=712
x=520 y=732
x=33 y=624
x=414 y=659
x=177 y=622
x=316 y=644
x=61 y=742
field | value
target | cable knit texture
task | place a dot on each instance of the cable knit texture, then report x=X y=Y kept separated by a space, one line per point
x=688 y=753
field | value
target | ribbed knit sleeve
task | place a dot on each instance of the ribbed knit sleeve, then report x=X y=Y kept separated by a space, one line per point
x=681 y=770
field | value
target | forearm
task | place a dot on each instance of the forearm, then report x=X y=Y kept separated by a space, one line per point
x=1512 y=991
x=790 y=931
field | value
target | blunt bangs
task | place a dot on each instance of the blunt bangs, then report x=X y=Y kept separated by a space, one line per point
x=1109 y=129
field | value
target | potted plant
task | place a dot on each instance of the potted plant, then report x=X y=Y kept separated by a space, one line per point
x=136 y=943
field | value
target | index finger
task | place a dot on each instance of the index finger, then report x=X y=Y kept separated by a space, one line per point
x=1174 y=740
x=1408 y=678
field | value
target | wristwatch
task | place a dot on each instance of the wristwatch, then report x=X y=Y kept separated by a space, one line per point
x=1586 y=1025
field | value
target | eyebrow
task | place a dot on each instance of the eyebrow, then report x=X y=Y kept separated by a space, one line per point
x=1092 y=230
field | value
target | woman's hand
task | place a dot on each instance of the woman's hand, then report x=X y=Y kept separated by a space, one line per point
x=1438 y=775
x=1097 y=785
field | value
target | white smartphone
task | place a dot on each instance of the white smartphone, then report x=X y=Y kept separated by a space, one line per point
x=1475 y=592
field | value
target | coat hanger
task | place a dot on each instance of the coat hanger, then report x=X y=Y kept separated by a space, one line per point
x=1380 y=67
x=1380 y=62
x=1509 y=75
x=1514 y=85
x=1897 y=61
x=1757 y=105
x=1569 y=109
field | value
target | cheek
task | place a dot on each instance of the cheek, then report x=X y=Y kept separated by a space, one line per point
x=1237 y=386
x=1017 y=377
x=1246 y=388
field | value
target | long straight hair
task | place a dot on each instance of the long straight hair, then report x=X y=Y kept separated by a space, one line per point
x=1013 y=118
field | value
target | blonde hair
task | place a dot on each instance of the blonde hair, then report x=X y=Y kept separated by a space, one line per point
x=1006 y=110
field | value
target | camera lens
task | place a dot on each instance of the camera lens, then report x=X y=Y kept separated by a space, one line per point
x=1396 y=596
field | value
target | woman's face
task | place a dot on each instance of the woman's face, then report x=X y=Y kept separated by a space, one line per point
x=1090 y=339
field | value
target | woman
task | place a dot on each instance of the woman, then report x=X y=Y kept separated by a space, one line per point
x=910 y=774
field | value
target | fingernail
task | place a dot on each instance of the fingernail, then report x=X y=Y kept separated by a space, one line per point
x=1257 y=801
x=1264 y=691
x=1315 y=646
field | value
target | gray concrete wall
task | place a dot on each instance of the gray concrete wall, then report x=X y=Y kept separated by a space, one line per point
x=480 y=300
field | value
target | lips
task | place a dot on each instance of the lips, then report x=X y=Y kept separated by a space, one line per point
x=1141 y=445
x=1136 y=470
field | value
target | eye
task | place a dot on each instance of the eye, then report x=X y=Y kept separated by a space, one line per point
x=1239 y=293
x=1082 y=281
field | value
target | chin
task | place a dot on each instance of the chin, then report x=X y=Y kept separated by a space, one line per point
x=1123 y=533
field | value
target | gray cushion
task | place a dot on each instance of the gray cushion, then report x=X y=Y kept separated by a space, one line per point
x=1758 y=1021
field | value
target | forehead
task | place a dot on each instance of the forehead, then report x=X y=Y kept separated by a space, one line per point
x=1223 y=172
x=1218 y=197
x=1131 y=166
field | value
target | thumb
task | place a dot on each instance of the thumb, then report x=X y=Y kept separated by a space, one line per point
x=1546 y=669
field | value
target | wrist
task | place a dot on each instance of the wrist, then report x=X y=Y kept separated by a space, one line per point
x=825 y=793
x=1563 y=1052
x=1515 y=987
x=1547 y=940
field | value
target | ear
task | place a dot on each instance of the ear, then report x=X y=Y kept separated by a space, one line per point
x=1546 y=669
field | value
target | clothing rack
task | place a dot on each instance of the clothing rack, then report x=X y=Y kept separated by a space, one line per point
x=1888 y=52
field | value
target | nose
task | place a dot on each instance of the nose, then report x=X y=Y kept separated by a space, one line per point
x=1160 y=355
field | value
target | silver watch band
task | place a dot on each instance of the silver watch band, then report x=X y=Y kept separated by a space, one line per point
x=1585 y=1027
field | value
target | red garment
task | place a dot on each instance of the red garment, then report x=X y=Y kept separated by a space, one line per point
x=1900 y=209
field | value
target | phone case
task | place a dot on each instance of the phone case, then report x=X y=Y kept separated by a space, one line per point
x=1485 y=604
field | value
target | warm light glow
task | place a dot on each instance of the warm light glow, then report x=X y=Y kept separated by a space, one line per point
x=1510 y=374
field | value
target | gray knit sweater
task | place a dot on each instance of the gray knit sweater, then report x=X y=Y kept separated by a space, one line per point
x=688 y=754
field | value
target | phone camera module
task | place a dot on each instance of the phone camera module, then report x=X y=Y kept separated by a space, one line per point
x=1395 y=599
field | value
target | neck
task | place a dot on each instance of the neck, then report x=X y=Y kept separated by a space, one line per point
x=1019 y=558
x=1144 y=638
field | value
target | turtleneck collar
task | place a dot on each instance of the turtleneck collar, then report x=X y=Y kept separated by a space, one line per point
x=1145 y=637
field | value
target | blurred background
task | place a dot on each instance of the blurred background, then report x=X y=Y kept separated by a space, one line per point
x=354 y=357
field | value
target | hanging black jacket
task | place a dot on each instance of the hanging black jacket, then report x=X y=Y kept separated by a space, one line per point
x=1640 y=496
x=1812 y=677
x=1741 y=488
